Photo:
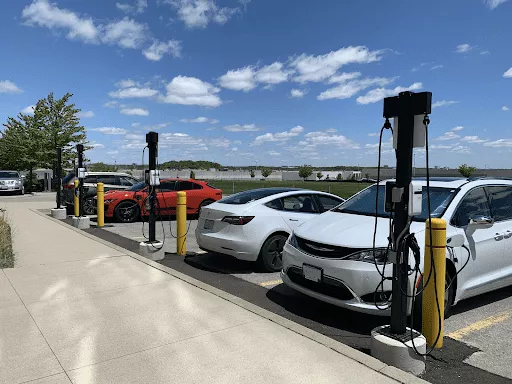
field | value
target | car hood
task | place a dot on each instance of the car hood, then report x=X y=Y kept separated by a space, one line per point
x=349 y=230
x=10 y=178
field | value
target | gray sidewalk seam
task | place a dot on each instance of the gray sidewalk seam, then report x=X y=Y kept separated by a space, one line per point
x=345 y=350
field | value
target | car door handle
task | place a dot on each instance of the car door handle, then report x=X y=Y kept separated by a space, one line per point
x=507 y=234
x=498 y=237
x=293 y=219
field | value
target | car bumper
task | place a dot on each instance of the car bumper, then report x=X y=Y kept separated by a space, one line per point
x=11 y=189
x=217 y=242
x=346 y=284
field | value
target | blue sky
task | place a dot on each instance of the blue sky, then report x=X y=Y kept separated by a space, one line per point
x=269 y=82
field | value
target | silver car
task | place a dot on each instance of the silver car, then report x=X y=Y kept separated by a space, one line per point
x=11 y=181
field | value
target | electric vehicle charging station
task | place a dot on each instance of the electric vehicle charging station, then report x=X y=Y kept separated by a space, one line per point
x=82 y=221
x=152 y=249
x=58 y=212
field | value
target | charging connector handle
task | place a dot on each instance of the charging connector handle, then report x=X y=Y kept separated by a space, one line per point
x=415 y=199
x=154 y=177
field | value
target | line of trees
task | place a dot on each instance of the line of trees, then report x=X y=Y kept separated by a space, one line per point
x=29 y=141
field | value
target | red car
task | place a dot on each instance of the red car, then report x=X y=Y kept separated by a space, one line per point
x=128 y=205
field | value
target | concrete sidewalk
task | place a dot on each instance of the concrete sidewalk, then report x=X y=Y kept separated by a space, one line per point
x=78 y=310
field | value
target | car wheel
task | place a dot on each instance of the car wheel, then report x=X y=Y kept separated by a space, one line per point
x=203 y=204
x=89 y=206
x=449 y=294
x=127 y=211
x=20 y=192
x=271 y=254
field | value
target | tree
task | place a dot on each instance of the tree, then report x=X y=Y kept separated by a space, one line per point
x=102 y=167
x=252 y=174
x=305 y=171
x=192 y=175
x=339 y=177
x=466 y=171
x=319 y=175
x=265 y=172
x=327 y=177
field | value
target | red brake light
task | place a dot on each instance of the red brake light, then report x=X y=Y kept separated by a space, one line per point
x=68 y=186
x=237 y=220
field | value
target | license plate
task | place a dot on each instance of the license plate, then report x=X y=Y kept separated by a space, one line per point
x=312 y=273
x=208 y=224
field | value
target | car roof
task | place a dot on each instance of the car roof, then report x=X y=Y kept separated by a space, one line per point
x=454 y=182
x=107 y=173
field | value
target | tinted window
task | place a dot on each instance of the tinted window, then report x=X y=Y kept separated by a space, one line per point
x=328 y=202
x=91 y=179
x=299 y=203
x=501 y=202
x=112 y=180
x=68 y=178
x=137 y=187
x=167 y=186
x=126 y=181
x=187 y=186
x=9 y=175
x=364 y=202
x=252 y=195
x=275 y=204
x=473 y=204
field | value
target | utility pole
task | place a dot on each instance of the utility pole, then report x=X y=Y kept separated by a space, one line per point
x=81 y=175
x=152 y=142
x=405 y=106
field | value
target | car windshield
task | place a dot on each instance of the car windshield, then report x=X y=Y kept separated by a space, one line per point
x=253 y=195
x=137 y=187
x=9 y=175
x=68 y=178
x=364 y=202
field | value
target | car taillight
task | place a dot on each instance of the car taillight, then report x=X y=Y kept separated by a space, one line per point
x=68 y=186
x=237 y=220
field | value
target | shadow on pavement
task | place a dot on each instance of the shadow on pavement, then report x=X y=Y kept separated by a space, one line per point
x=482 y=300
x=218 y=263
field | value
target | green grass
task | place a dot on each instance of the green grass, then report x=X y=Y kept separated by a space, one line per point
x=342 y=189
x=6 y=252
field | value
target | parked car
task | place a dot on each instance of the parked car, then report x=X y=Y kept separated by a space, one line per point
x=254 y=225
x=331 y=256
x=111 y=181
x=11 y=181
x=128 y=205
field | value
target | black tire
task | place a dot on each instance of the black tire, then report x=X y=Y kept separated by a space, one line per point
x=271 y=254
x=449 y=294
x=127 y=211
x=20 y=192
x=203 y=204
x=89 y=206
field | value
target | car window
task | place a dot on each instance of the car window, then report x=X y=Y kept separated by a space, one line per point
x=501 y=202
x=167 y=186
x=187 y=186
x=328 y=202
x=252 y=195
x=473 y=204
x=91 y=179
x=9 y=174
x=126 y=181
x=275 y=204
x=299 y=203
x=107 y=179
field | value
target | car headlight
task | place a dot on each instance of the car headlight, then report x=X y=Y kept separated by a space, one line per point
x=380 y=256
x=292 y=240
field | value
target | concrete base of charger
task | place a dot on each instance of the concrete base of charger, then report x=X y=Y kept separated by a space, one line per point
x=399 y=353
x=152 y=250
x=82 y=222
x=59 y=213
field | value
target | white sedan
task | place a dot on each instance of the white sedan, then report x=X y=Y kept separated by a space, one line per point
x=254 y=225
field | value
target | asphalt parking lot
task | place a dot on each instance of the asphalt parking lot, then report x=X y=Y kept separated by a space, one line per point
x=475 y=349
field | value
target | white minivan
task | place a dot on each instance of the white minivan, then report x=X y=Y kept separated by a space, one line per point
x=331 y=256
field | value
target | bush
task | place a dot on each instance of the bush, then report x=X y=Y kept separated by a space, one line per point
x=6 y=252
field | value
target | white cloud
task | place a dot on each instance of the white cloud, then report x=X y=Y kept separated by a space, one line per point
x=441 y=146
x=373 y=134
x=219 y=143
x=344 y=77
x=321 y=67
x=127 y=83
x=85 y=114
x=436 y=67
x=298 y=93
x=135 y=125
x=28 y=110
x=443 y=103
x=463 y=48
x=448 y=136
x=126 y=33
x=473 y=139
x=133 y=93
x=156 y=127
x=44 y=14
x=199 y=13
x=97 y=145
x=485 y=53
x=458 y=128
x=200 y=120
x=508 y=73
x=272 y=74
x=7 y=86
x=242 y=128
x=505 y=108
x=274 y=153
x=492 y=4
x=160 y=48
x=110 y=130
x=182 y=139
x=241 y=79
x=352 y=87
x=139 y=6
x=111 y=104
x=461 y=149
x=380 y=93
x=135 y=111
x=279 y=136
x=499 y=143
x=325 y=138
x=191 y=91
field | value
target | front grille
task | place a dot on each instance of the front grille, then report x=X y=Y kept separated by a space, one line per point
x=328 y=286
x=325 y=250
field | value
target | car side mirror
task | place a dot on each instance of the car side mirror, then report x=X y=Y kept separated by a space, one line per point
x=23 y=176
x=456 y=241
x=481 y=221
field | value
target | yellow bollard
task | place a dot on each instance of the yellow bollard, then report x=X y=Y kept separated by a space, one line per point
x=100 y=209
x=76 y=201
x=430 y=316
x=181 y=224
